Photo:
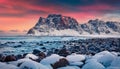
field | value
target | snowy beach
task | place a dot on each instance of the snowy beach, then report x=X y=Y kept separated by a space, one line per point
x=59 y=53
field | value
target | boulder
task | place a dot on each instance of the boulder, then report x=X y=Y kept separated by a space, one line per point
x=36 y=51
x=51 y=59
x=32 y=65
x=31 y=56
x=61 y=63
x=104 y=58
x=93 y=65
x=10 y=58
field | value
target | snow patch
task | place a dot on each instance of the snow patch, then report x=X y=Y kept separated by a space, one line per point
x=66 y=32
x=7 y=66
x=69 y=67
x=32 y=65
x=104 y=58
x=93 y=65
x=32 y=56
x=116 y=62
x=75 y=58
x=51 y=59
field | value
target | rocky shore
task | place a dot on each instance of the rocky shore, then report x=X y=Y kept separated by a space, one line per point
x=40 y=60
x=97 y=53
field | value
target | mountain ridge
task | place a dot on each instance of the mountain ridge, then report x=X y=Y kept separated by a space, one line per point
x=58 y=25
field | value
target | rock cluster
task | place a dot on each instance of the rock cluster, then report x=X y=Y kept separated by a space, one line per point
x=101 y=60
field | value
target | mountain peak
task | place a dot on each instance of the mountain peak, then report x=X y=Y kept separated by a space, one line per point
x=58 y=25
x=95 y=21
x=41 y=19
x=54 y=15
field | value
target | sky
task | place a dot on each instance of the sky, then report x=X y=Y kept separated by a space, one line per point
x=18 y=16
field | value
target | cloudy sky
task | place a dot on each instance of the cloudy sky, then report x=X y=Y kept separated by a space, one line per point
x=17 y=16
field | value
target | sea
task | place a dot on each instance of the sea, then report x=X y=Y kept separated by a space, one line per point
x=26 y=44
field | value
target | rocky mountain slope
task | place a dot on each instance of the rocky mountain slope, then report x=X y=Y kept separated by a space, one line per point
x=58 y=25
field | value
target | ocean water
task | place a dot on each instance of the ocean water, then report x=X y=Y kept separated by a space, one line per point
x=37 y=38
x=26 y=44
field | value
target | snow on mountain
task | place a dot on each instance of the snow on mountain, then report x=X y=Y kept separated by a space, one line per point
x=58 y=25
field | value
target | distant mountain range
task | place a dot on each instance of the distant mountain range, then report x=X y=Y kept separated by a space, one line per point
x=58 y=25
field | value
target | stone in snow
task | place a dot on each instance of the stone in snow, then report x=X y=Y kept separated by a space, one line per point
x=104 y=58
x=32 y=65
x=75 y=58
x=51 y=59
x=93 y=65
x=31 y=56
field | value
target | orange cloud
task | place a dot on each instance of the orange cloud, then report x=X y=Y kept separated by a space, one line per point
x=23 y=14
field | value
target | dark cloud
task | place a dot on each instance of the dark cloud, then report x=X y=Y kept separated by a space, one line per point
x=14 y=30
x=52 y=2
x=35 y=12
x=28 y=7
x=21 y=14
x=1 y=31
x=11 y=15
x=24 y=12
x=110 y=2
x=69 y=2
x=61 y=2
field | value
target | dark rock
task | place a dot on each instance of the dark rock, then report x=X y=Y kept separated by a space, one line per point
x=24 y=55
x=36 y=51
x=43 y=48
x=1 y=57
x=41 y=44
x=10 y=58
x=56 y=51
x=41 y=55
x=61 y=63
x=19 y=64
x=19 y=56
x=64 y=52
x=22 y=42
x=31 y=31
x=17 y=46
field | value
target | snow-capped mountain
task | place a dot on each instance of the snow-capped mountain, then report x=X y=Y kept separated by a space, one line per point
x=58 y=25
x=101 y=27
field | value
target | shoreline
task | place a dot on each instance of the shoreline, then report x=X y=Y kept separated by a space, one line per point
x=93 y=53
x=85 y=36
